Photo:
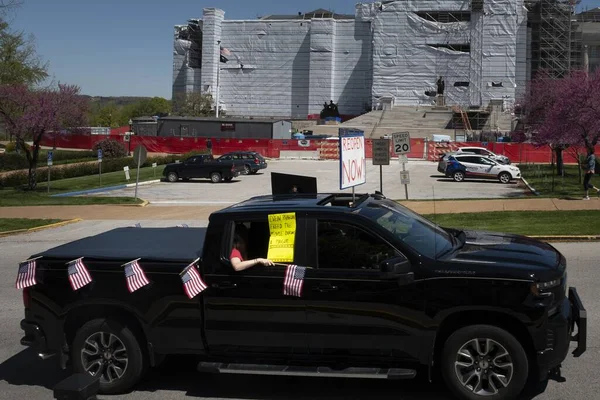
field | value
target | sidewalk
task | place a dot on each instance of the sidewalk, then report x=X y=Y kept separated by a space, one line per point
x=121 y=212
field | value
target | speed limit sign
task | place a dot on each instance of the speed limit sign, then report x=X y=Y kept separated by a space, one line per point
x=401 y=142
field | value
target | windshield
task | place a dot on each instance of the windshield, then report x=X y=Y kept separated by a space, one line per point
x=415 y=231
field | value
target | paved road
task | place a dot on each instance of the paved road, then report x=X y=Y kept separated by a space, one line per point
x=22 y=375
x=426 y=183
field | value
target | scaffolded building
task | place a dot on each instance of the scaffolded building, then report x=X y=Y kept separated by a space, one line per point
x=288 y=66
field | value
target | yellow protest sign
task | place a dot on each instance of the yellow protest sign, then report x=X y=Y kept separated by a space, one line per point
x=282 y=228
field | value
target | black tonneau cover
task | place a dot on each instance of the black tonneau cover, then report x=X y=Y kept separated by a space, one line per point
x=126 y=244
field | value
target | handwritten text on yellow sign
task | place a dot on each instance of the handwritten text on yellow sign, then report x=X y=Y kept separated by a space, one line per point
x=283 y=233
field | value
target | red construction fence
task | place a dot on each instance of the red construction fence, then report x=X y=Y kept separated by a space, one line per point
x=327 y=149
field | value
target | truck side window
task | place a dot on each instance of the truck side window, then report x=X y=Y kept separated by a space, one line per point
x=345 y=246
x=256 y=234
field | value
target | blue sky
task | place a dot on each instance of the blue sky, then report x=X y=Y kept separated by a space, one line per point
x=124 y=47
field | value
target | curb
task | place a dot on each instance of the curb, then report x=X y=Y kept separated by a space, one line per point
x=531 y=189
x=144 y=203
x=39 y=228
x=562 y=238
x=105 y=189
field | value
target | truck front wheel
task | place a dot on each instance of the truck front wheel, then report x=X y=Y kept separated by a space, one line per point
x=110 y=351
x=172 y=177
x=484 y=362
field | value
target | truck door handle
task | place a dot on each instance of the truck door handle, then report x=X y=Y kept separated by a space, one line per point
x=326 y=288
x=224 y=285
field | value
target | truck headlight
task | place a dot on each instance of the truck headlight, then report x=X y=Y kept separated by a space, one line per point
x=548 y=285
x=537 y=288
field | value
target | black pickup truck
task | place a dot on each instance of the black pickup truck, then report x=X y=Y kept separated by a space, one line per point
x=386 y=293
x=202 y=166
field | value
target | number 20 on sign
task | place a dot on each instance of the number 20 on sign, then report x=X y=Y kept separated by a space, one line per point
x=401 y=142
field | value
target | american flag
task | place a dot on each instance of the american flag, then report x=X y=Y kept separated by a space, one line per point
x=192 y=282
x=294 y=280
x=26 y=275
x=79 y=276
x=135 y=276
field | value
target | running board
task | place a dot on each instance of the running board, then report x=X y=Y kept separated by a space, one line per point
x=326 y=372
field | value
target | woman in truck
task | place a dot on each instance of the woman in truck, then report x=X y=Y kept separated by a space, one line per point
x=238 y=252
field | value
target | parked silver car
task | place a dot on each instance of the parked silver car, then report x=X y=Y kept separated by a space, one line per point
x=482 y=151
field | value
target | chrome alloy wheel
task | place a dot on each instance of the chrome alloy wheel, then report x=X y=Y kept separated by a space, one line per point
x=483 y=366
x=104 y=355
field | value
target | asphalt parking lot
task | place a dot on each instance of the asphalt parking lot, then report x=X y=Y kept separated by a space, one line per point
x=24 y=376
x=425 y=183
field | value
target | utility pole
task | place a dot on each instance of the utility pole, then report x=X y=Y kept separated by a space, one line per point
x=218 y=76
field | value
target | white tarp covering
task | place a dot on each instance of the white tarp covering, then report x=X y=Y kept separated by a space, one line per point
x=396 y=49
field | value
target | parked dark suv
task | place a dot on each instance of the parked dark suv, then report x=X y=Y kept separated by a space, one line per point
x=250 y=160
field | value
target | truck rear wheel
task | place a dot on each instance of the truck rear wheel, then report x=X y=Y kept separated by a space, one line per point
x=109 y=350
x=484 y=362
x=215 y=177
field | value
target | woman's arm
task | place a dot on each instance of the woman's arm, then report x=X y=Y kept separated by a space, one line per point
x=240 y=265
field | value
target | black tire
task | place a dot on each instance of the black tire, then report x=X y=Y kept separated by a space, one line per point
x=228 y=179
x=504 y=177
x=458 y=176
x=215 y=177
x=172 y=177
x=514 y=366
x=97 y=332
x=246 y=169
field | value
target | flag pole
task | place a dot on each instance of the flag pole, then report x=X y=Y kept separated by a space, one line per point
x=137 y=259
x=32 y=259
x=189 y=266
x=218 y=73
x=72 y=261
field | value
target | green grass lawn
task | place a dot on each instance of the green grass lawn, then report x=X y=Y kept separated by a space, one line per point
x=539 y=176
x=40 y=197
x=93 y=181
x=532 y=223
x=14 y=198
x=11 y=224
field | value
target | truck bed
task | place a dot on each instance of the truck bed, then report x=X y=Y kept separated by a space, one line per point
x=126 y=244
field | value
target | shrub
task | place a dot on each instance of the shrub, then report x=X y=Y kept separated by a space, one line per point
x=73 y=171
x=10 y=147
x=110 y=148
x=191 y=153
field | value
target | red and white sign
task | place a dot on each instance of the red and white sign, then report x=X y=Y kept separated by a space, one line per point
x=353 y=163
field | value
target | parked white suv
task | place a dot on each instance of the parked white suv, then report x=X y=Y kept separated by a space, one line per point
x=475 y=166
x=486 y=153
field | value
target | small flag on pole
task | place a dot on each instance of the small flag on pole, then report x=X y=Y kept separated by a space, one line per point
x=192 y=281
x=79 y=276
x=183 y=226
x=224 y=53
x=294 y=280
x=135 y=276
x=26 y=274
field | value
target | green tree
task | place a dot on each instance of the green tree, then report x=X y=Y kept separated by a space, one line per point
x=19 y=63
x=193 y=104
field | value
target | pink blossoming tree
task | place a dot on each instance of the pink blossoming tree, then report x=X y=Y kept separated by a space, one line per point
x=563 y=112
x=29 y=114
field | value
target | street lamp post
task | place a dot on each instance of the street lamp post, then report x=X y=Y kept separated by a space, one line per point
x=130 y=132
x=218 y=73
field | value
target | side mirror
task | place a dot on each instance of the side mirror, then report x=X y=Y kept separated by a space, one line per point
x=395 y=266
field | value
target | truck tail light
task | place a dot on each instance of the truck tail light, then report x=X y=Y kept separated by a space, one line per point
x=256 y=161
x=233 y=168
x=26 y=297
